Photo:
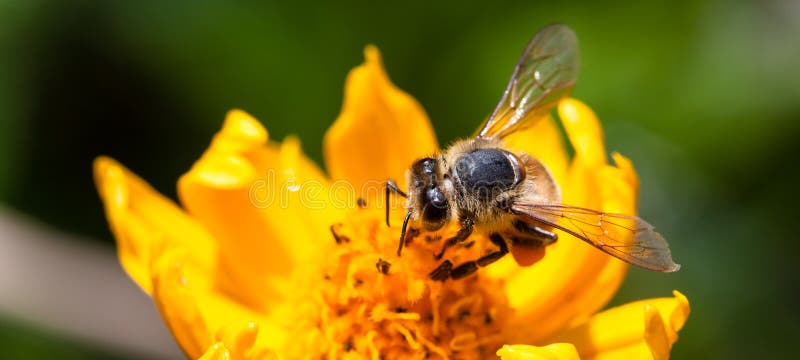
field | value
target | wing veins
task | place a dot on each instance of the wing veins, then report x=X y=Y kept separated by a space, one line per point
x=644 y=247
x=553 y=55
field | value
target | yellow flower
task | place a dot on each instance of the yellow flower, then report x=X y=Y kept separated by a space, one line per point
x=267 y=257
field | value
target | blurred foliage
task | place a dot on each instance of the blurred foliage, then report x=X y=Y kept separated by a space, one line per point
x=20 y=341
x=702 y=95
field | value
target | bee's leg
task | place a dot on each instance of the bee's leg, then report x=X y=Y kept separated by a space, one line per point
x=469 y=267
x=403 y=234
x=442 y=272
x=461 y=235
x=536 y=236
x=391 y=186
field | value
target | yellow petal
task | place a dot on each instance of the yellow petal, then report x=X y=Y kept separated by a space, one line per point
x=543 y=141
x=217 y=351
x=198 y=316
x=574 y=279
x=585 y=133
x=240 y=133
x=258 y=199
x=141 y=219
x=558 y=351
x=178 y=305
x=643 y=329
x=603 y=275
x=584 y=130
x=239 y=337
x=380 y=131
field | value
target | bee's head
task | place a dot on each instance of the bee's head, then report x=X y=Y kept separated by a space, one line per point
x=431 y=202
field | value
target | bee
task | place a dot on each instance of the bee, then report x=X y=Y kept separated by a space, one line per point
x=511 y=196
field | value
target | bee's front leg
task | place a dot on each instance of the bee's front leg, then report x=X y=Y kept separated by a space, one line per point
x=391 y=187
x=463 y=234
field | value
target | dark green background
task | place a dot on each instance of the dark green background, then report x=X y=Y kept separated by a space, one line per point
x=704 y=96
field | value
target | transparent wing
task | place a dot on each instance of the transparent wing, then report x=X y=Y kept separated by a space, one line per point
x=544 y=74
x=625 y=237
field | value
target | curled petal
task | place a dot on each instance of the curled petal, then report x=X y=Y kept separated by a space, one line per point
x=258 y=198
x=145 y=223
x=240 y=133
x=584 y=131
x=558 y=351
x=643 y=329
x=239 y=337
x=380 y=131
x=198 y=315
x=218 y=351
x=178 y=306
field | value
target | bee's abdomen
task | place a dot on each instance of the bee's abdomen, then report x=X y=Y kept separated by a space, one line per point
x=487 y=173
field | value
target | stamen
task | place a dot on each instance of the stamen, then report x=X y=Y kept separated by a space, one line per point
x=371 y=345
x=407 y=335
x=464 y=341
x=469 y=341
x=367 y=306
x=432 y=347
x=455 y=309
x=435 y=310
x=381 y=313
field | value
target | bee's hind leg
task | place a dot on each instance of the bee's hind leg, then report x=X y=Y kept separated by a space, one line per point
x=446 y=270
x=442 y=272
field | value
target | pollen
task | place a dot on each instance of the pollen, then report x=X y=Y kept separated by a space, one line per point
x=369 y=303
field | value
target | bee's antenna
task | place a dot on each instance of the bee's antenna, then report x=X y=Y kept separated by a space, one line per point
x=403 y=233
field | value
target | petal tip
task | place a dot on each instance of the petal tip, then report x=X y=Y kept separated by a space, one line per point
x=658 y=338
x=221 y=171
x=556 y=351
x=625 y=165
x=583 y=130
x=243 y=128
x=104 y=167
x=102 y=161
x=567 y=109
x=109 y=177
x=239 y=337
x=380 y=129
x=681 y=313
x=217 y=351
x=572 y=108
x=372 y=55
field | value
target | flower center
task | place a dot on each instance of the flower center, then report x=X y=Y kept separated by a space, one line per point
x=369 y=302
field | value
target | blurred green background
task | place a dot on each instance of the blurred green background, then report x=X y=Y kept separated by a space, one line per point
x=704 y=96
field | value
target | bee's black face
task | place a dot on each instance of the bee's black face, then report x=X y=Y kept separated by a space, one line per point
x=434 y=207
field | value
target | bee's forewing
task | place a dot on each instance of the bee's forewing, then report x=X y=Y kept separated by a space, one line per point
x=625 y=237
x=544 y=74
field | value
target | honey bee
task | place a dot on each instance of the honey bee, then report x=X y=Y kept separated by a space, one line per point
x=511 y=196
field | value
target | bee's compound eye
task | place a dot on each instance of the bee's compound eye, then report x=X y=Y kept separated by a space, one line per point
x=435 y=211
x=436 y=198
